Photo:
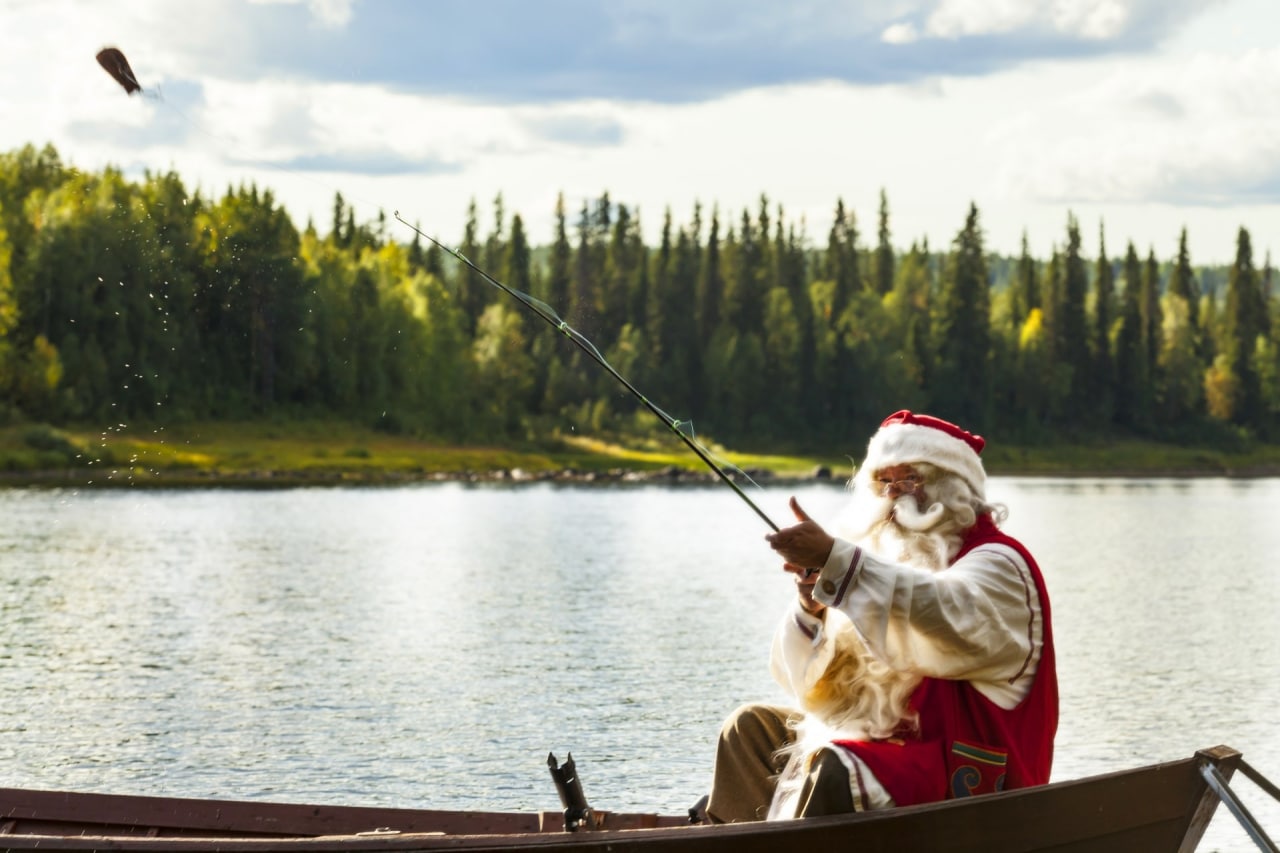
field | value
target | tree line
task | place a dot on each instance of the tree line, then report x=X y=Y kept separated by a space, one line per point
x=128 y=300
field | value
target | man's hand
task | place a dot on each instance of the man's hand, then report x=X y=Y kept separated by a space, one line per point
x=806 y=579
x=805 y=544
x=805 y=548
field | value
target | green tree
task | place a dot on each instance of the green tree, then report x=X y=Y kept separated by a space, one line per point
x=251 y=300
x=517 y=267
x=8 y=318
x=472 y=291
x=841 y=264
x=744 y=276
x=781 y=351
x=710 y=282
x=961 y=389
x=1133 y=374
x=884 y=260
x=503 y=370
x=560 y=263
x=624 y=257
x=1104 y=312
x=1245 y=315
x=907 y=306
x=1036 y=384
x=27 y=174
x=681 y=364
x=495 y=245
x=440 y=379
x=1152 y=323
x=1182 y=283
x=1071 y=329
x=1026 y=286
x=1182 y=391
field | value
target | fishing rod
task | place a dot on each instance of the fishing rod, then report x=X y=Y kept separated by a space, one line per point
x=549 y=315
x=113 y=61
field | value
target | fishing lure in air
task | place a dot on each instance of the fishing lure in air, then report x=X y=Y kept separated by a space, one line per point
x=114 y=63
x=549 y=315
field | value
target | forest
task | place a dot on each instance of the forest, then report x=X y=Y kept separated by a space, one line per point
x=141 y=301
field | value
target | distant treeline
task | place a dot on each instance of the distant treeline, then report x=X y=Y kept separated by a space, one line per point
x=128 y=300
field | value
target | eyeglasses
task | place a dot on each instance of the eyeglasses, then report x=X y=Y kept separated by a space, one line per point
x=905 y=486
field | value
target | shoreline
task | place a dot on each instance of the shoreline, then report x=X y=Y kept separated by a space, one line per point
x=333 y=453
x=117 y=478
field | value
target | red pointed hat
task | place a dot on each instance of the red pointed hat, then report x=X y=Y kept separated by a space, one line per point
x=905 y=438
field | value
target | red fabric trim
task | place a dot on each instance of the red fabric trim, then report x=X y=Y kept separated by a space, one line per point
x=916 y=770
x=848 y=576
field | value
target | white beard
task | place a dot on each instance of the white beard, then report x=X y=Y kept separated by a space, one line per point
x=899 y=530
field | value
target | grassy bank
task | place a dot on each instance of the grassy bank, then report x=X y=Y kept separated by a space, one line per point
x=327 y=452
x=253 y=453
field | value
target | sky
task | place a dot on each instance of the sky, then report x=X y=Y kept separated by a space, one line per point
x=1140 y=117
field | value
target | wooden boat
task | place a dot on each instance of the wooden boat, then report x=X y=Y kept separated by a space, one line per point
x=1161 y=807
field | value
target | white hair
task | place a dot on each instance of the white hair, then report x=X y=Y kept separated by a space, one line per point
x=900 y=530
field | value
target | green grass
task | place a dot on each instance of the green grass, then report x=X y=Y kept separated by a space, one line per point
x=268 y=453
x=1130 y=457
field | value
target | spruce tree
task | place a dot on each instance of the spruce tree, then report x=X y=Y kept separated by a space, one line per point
x=1150 y=305
x=619 y=268
x=517 y=270
x=884 y=250
x=1243 y=324
x=1132 y=395
x=961 y=388
x=1103 y=316
x=560 y=271
x=1071 y=328
x=494 y=253
x=584 y=304
x=658 y=311
x=472 y=290
x=710 y=282
x=1182 y=282
x=841 y=262
x=1026 y=286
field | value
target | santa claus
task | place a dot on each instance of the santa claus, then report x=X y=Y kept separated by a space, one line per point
x=918 y=649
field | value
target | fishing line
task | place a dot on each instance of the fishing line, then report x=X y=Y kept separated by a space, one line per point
x=114 y=63
x=548 y=314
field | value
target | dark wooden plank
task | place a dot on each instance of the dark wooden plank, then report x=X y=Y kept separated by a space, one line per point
x=34 y=812
x=1153 y=809
x=1227 y=760
x=48 y=808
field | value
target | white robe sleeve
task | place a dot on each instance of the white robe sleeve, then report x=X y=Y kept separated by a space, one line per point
x=977 y=620
x=802 y=650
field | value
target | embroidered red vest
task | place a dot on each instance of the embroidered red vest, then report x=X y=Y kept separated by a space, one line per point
x=966 y=744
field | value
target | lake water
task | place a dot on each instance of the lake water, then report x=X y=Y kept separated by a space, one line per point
x=429 y=645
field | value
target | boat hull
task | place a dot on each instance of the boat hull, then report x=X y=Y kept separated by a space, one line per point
x=1160 y=807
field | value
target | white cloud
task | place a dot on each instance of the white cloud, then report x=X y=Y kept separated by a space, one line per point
x=901 y=33
x=331 y=14
x=1178 y=133
x=1181 y=135
x=956 y=18
x=1090 y=19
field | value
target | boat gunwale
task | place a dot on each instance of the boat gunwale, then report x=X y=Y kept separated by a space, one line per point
x=1180 y=815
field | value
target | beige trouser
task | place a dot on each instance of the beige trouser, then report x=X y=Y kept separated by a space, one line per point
x=748 y=765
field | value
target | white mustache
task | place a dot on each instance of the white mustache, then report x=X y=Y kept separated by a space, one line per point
x=909 y=516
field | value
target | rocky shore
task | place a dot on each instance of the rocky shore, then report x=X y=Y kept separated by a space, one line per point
x=187 y=478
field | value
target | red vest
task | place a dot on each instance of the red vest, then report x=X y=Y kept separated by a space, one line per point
x=966 y=744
